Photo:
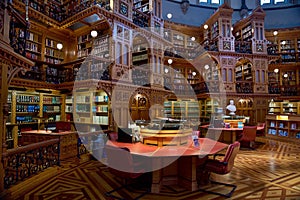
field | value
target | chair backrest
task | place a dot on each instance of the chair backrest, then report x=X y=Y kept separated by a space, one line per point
x=261 y=124
x=230 y=155
x=113 y=136
x=119 y=161
x=249 y=133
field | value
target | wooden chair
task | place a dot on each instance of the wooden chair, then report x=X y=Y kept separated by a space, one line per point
x=223 y=166
x=262 y=131
x=113 y=136
x=248 y=136
x=120 y=163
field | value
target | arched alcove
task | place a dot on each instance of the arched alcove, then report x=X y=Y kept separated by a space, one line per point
x=139 y=107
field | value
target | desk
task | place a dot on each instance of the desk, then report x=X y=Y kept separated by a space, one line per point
x=173 y=164
x=68 y=141
x=227 y=135
x=165 y=137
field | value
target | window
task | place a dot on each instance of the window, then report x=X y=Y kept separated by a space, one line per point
x=119 y=53
x=126 y=55
x=224 y=74
x=264 y=2
x=211 y=1
x=158 y=65
x=263 y=76
x=230 y=75
x=154 y=64
x=257 y=77
x=215 y=1
x=272 y=1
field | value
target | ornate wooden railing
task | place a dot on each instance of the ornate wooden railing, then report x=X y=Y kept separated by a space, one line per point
x=23 y=162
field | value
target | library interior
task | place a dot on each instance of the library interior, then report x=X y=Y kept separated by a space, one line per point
x=145 y=99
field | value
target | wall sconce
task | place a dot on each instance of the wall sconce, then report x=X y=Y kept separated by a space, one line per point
x=59 y=46
x=170 y=61
x=169 y=16
x=185 y=4
x=94 y=33
x=276 y=70
x=285 y=75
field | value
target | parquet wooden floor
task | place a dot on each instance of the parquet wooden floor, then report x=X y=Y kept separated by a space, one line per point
x=271 y=172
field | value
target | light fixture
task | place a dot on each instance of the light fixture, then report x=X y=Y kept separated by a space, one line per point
x=276 y=70
x=166 y=70
x=169 y=16
x=185 y=4
x=205 y=26
x=59 y=46
x=194 y=73
x=283 y=42
x=231 y=28
x=193 y=38
x=170 y=61
x=94 y=33
x=285 y=75
x=275 y=33
x=206 y=67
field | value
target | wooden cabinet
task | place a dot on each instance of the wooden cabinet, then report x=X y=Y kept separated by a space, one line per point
x=285 y=127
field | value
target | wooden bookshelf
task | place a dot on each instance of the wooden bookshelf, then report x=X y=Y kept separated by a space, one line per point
x=284 y=127
x=52 y=54
x=91 y=110
x=207 y=108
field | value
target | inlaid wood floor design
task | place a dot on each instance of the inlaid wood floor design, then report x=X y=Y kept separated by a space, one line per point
x=271 y=172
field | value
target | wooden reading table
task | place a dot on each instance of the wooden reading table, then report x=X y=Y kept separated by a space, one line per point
x=173 y=164
x=227 y=135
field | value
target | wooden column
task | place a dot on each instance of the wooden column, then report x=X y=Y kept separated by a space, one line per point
x=3 y=109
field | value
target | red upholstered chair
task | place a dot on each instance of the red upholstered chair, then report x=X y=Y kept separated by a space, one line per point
x=113 y=136
x=248 y=136
x=222 y=166
x=262 y=131
x=120 y=163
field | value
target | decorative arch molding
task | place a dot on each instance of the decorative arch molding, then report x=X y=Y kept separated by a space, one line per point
x=136 y=34
x=15 y=63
